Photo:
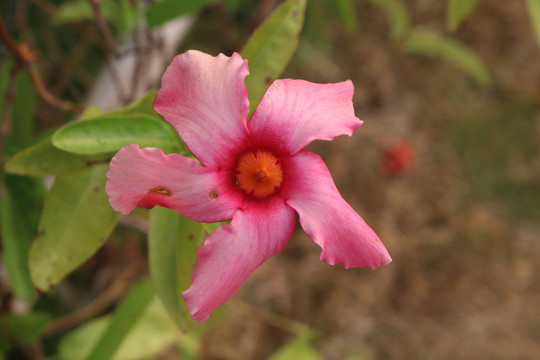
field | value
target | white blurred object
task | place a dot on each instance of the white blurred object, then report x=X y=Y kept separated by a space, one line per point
x=108 y=91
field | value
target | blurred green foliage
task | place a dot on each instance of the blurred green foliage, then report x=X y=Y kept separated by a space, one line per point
x=490 y=145
x=74 y=216
x=77 y=219
x=533 y=7
x=300 y=348
x=160 y=12
x=150 y=331
x=425 y=41
x=458 y=10
x=122 y=14
x=173 y=240
x=397 y=16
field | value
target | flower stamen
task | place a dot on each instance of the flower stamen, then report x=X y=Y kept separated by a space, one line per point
x=259 y=173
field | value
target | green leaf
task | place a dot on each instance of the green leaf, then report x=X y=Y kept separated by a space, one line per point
x=24 y=328
x=151 y=335
x=162 y=11
x=120 y=13
x=21 y=119
x=123 y=14
x=272 y=46
x=397 y=15
x=173 y=240
x=90 y=112
x=298 y=349
x=107 y=134
x=233 y=6
x=123 y=320
x=5 y=346
x=45 y=159
x=429 y=42
x=534 y=12
x=346 y=13
x=457 y=11
x=5 y=69
x=29 y=193
x=143 y=105
x=22 y=115
x=75 y=222
x=21 y=201
x=71 y=11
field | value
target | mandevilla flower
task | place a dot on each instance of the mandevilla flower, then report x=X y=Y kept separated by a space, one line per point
x=255 y=173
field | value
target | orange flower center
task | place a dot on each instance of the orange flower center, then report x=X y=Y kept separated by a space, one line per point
x=259 y=173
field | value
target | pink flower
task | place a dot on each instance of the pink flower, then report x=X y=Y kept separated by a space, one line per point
x=255 y=173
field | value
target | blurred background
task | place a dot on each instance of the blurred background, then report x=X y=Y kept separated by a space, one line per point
x=445 y=169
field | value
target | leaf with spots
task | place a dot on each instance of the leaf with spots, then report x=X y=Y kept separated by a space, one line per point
x=45 y=159
x=75 y=222
x=272 y=46
x=173 y=240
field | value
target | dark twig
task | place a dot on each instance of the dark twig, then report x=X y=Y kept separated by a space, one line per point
x=104 y=28
x=139 y=60
x=46 y=6
x=25 y=57
x=106 y=298
x=111 y=47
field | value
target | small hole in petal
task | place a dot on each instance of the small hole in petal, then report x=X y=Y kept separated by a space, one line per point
x=213 y=194
x=160 y=190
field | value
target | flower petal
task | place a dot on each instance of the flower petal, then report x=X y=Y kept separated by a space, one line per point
x=326 y=218
x=205 y=100
x=293 y=113
x=234 y=251
x=147 y=178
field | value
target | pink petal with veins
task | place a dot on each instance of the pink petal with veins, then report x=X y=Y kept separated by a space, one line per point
x=205 y=99
x=326 y=218
x=147 y=178
x=293 y=113
x=234 y=251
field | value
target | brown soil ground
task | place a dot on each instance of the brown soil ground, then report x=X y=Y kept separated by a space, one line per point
x=462 y=225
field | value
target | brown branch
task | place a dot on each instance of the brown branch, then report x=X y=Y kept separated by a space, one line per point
x=12 y=46
x=46 y=6
x=110 y=46
x=25 y=57
x=140 y=57
x=106 y=298
x=104 y=28
x=47 y=96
